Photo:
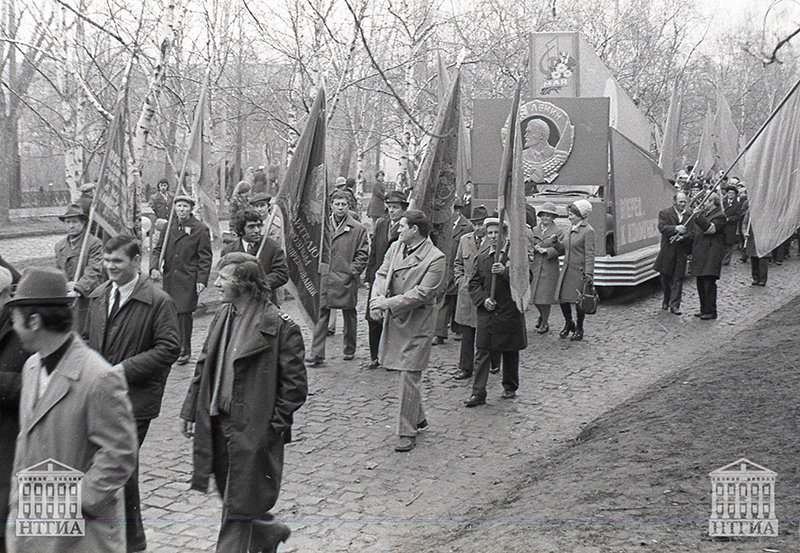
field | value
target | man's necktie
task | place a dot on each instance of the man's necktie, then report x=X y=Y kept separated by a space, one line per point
x=115 y=304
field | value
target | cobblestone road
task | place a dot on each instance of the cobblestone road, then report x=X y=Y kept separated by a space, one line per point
x=345 y=489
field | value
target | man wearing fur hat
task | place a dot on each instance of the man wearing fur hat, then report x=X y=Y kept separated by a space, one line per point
x=68 y=250
x=186 y=266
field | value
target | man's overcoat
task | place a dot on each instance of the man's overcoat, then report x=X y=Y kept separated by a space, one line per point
x=466 y=262
x=143 y=336
x=269 y=385
x=411 y=285
x=672 y=255
x=187 y=261
x=708 y=250
x=504 y=328
x=349 y=256
x=84 y=420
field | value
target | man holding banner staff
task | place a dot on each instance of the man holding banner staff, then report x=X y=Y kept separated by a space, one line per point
x=186 y=265
x=68 y=252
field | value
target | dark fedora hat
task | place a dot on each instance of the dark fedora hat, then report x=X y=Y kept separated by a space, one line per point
x=479 y=214
x=41 y=286
x=74 y=210
x=396 y=197
x=184 y=198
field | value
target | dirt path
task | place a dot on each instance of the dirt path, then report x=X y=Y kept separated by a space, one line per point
x=637 y=478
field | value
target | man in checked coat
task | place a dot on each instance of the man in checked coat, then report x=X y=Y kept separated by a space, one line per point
x=187 y=266
x=133 y=324
x=404 y=294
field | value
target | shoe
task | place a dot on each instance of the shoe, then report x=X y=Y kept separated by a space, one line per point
x=675 y=310
x=315 y=360
x=463 y=375
x=474 y=401
x=578 y=336
x=568 y=327
x=422 y=425
x=331 y=332
x=494 y=370
x=405 y=443
x=754 y=283
x=349 y=356
x=664 y=306
x=544 y=329
x=182 y=360
x=763 y=283
x=438 y=340
x=268 y=535
x=508 y=394
x=375 y=364
x=538 y=323
x=707 y=316
x=698 y=315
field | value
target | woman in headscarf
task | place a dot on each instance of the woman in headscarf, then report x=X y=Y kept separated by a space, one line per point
x=545 y=265
x=578 y=248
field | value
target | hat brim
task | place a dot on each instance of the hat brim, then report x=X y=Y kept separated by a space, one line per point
x=82 y=216
x=40 y=301
x=543 y=211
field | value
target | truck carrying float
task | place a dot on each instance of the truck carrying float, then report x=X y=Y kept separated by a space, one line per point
x=583 y=138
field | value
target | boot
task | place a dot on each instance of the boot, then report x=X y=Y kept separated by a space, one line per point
x=267 y=535
x=569 y=326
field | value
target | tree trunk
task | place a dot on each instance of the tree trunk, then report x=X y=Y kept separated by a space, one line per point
x=10 y=172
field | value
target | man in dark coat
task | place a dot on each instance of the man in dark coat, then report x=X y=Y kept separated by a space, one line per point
x=240 y=405
x=384 y=234
x=444 y=319
x=377 y=206
x=708 y=250
x=68 y=251
x=161 y=202
x=339 y=287
x=134 y=325
x=501 y=326
x=272 y=259
x=12 y=359
x=186 y=268
x=733 y=211
x=675 y=247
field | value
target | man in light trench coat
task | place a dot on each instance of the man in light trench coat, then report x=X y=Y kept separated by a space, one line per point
x=404 y=295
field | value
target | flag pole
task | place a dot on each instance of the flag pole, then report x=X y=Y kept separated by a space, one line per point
x=182 y=176
x=266 y=228
x=121 y=96
x=506 y=176
x=758 y=133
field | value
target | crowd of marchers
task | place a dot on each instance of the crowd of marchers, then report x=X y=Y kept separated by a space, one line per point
x=86 y=346
x=708 y=221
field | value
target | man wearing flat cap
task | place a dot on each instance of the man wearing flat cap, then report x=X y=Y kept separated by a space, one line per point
x=349 y=254
x=74 y=410
x=385 y=234
x=186 y=266
x=80 y=284
x=734 y=212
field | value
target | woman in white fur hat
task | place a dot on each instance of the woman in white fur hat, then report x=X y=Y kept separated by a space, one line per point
x=578 y=249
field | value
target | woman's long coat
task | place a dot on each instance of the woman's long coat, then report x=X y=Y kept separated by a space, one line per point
x=466 y=262
x=349 y=256
x=269 y=385
x=410 y=285
x=84 y=420
x=504 y=328
x=578 y=248
x=187 y=261
x=545 y=265
x=708 y=250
